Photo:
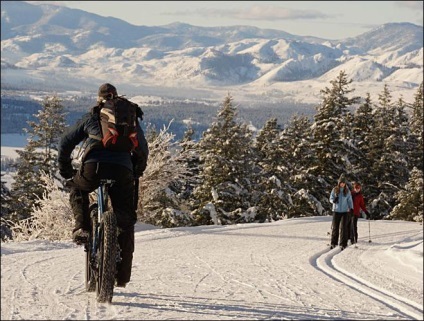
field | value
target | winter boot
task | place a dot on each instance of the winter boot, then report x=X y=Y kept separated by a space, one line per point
x=126 y=243
x=80 y=236
x=80 y=207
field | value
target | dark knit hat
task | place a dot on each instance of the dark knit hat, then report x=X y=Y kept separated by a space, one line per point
x=342 y=179
x=356 y=184
x=106 y=90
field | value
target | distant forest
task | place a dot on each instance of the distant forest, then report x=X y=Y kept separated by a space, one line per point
x=16 y=111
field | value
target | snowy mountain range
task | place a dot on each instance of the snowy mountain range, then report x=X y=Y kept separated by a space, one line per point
x=54 y=48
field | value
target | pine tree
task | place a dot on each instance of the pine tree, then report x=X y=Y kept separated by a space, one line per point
x=190 y=160
x=332 y=135
x=362 y=127
x=295 y=143
x=300 y=159
x=5 y=232
x=182 y=189
x=46 y=132
x=410 y=200
x=26 y=188
x=158 y=204
x=415 y=142
x=40 y=154
x=226 y=170
x=417 y=118
x=387 y=155
x=273 y=199
x=266 y=147
x=51 y=219
x=374 y=148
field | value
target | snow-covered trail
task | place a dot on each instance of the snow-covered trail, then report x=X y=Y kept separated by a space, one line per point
x=279 y=270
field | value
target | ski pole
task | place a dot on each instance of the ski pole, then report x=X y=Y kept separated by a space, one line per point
x=353 y=239
x=329 y=233
x=136 y=187
x=369 y=231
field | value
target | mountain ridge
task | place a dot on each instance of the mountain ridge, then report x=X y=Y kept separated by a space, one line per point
x=70 y=49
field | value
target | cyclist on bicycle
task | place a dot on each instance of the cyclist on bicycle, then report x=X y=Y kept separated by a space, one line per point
x=101 y=163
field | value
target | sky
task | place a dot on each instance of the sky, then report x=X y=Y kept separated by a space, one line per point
x=325 y=19
x=270 y=271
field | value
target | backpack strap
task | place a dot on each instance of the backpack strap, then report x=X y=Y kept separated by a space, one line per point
x=96 y=109
x=139 y=112
x=94 y=137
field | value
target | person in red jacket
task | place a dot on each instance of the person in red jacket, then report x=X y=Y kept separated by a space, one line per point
x=358 y=205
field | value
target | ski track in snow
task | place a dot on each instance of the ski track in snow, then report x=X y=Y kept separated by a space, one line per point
x=325 y=262
x=242 y=272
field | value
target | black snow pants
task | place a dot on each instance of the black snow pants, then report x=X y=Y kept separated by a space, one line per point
x=354 y=236
x=340 y=224
x=86 y=180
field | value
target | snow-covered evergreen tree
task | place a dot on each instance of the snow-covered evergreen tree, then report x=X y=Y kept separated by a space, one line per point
x=362 y=126
x=40 y=154
x=272 y=196
x=417 y=118
x=332 y=136
x=416 y=139
x=374 y=152
x=46 y=132
x=227 y=167
x=299 y=157
x=5 y=232
x=27 y=187
x=295 y=144
x=52 y=217
x=387 y=154
x=158 y=204
x=410 y=200
x=189 y=159
x=398 y=139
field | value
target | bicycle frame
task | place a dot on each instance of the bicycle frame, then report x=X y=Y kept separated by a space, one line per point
x=103 y=222
x=102 y=199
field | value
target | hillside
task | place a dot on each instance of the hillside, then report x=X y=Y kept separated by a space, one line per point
x=61 y=49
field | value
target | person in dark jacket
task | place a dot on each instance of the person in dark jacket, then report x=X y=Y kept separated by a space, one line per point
x=341 y=199
x=358 y=205
x=100 y=163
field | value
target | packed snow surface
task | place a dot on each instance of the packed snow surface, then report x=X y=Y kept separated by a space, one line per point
x=279 y=270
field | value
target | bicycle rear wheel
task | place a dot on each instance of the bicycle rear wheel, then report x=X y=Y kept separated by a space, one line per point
x=107 y=254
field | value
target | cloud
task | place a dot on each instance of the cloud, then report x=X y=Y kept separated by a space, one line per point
x=267 y=13
x=56 y=3
x=413 y=5
x=277 y=13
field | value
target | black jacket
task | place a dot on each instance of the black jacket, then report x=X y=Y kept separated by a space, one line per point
x=85 y=130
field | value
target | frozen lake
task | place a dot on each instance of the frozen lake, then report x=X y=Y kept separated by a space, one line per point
x=13 y=140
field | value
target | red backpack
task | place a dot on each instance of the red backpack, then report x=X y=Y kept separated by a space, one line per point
x=118 y=120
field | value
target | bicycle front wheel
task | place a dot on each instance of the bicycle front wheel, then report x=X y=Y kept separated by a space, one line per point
x=107 y=257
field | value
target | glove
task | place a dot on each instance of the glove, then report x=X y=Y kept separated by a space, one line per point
x=139 y=165
x=66 y=171
x=138 y=171
x=336 y=199
x=137 y=176
x=367 y=214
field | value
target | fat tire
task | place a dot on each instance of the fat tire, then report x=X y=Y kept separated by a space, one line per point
x=107 y=254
